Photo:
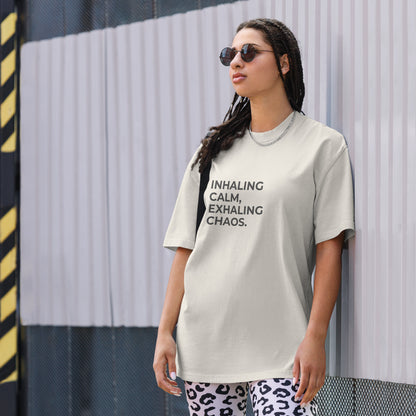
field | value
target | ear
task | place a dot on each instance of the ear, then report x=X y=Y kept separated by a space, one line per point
x=284 y=64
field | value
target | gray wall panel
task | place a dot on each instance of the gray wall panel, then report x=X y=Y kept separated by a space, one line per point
x=64 y=252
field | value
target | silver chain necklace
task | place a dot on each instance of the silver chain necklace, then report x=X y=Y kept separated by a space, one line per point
x=278 y=138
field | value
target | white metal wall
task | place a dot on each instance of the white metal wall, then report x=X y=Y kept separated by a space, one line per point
x=110 y=118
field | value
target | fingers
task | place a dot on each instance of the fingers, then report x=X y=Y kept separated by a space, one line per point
x=311 y=380
x=172 y=367
x=303 y=385
x=308 y=390
x=163 y=382
x=296 y=371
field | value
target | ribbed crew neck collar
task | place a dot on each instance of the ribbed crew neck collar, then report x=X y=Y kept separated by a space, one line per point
x=266 y=137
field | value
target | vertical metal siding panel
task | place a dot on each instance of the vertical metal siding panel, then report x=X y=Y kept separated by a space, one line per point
x=325 y=109
x=394 y=204
x=159 y=169
x=239 y=13
x=151 y=136
x=382 y=264
x=304 y=24
x=302 y=41
x=370 y=143
x=55 y=232
x=130 y=99
x=98 y=215
x=372 y=137
x=360 y=133
x=69 y=213
x=209 y=44
x=410 y=249
x=82 y=142
x=368 y=195
x=198 y=36
x=92 y=278
x=28 y=160
x=254 y=9
x=171 y=67
x=389 y=115
x=43 y=177
x=266 y=9
x=192 y=60
x=184 y=99
x=125 y=215
x=119 y=161
x=225 y=37
x=77 y=210
x=402 y=29
x=399 y=196
x=317 y=57
x=312 y=80
x=385 y=327
x=404 y=235
x=57 y=140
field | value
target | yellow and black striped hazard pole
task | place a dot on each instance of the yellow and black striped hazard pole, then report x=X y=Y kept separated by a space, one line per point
x=8 y=211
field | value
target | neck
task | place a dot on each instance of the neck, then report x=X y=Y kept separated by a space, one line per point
x=269 y=112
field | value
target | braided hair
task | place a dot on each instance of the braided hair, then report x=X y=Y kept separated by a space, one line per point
x=238 y=117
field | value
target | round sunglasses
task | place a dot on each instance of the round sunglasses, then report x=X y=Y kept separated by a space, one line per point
x=248 y=52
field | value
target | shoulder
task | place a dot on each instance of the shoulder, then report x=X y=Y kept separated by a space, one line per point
x=328 y=142
x=193 y=166
x=320 y=132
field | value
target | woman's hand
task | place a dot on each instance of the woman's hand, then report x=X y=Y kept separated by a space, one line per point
x=310 y=364
x=165 y=353
x=165 y=350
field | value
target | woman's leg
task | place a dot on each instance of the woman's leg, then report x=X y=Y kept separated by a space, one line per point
x=276 y=397
x=210 y=399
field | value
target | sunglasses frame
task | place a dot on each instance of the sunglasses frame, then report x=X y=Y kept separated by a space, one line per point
x=246 y=49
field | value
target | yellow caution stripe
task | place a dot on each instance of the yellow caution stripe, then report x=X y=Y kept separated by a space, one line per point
x=8 y=295
x=8 y=27
x=8 y=84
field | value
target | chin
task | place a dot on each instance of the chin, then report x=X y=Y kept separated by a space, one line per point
x=241 y=92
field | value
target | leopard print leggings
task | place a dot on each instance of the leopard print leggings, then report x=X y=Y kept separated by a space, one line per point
x=275 y=397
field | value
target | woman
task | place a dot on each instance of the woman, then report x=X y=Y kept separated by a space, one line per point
x=278 y=201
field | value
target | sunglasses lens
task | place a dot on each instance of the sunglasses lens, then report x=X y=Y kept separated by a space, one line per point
x=248 y=53
x=226 y=56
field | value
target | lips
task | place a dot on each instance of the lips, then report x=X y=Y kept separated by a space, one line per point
x=237 y=77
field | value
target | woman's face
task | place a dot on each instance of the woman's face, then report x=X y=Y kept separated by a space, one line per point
x=260 y=77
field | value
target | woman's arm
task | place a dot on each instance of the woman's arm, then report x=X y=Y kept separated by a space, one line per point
x=165 y=350
x=310 y=361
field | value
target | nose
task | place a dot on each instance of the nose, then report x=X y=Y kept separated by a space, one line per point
x=237 y=62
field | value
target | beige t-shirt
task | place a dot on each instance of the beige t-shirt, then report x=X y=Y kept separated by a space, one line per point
x=248 y=291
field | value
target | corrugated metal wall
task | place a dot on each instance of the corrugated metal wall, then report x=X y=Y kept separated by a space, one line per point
x=110 y=118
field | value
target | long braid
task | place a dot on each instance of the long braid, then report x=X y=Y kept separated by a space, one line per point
x=238 y=116
x=221 y=137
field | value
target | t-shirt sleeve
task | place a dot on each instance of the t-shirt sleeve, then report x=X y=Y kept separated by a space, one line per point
x=182 y=226
x=334 y=199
